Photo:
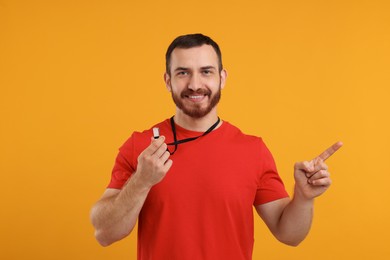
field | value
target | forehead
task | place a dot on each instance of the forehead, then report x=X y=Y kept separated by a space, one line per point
x=200 y=56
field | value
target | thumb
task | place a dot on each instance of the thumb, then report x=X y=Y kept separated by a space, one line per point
x=306 y=166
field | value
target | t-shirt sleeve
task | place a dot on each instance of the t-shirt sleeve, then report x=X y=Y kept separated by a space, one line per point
x=270 y=186
x=124 y=165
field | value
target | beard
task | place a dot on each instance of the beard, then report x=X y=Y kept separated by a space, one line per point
x=195 y=110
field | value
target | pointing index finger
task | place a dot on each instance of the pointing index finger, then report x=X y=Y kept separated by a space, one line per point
x=331 y=150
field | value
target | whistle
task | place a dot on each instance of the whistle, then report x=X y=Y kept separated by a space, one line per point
x=156 y=132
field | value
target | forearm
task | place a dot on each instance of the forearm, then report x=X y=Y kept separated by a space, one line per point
x=116 y=214
x=114 y=217
x=295 y=221
x=290 y=220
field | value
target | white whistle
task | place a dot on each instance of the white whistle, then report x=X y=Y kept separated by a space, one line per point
x=156 y=132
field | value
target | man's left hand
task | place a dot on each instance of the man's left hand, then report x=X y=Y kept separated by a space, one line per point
x=312 y=177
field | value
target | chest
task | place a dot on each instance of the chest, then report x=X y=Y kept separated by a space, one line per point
x=207 y=175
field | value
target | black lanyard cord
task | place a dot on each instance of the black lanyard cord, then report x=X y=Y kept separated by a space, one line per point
x=176 y=142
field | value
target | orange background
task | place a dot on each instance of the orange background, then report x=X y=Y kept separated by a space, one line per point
x=77 y=77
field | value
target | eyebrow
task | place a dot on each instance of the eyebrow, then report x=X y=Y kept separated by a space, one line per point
x=208 y=68
x=181 y=68
x=202 y=68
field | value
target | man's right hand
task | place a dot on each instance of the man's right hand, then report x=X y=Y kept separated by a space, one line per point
x=153 y=163
x=115 y=214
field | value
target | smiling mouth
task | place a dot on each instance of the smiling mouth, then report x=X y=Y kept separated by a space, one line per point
x=196 y=97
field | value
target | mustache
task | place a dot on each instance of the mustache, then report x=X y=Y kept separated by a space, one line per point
x=190 y=92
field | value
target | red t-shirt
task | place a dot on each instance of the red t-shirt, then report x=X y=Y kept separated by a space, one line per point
x=203 y=208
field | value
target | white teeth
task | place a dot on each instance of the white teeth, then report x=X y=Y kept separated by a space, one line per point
x=195 y=97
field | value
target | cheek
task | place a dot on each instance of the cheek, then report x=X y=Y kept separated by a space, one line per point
x=178 y=85
x=215 y=83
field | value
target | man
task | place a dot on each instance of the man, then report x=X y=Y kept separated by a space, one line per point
x=193 y=188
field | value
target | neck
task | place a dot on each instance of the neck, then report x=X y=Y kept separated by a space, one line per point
x=196 y=124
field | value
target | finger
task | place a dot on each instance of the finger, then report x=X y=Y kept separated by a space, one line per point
x=167 y=165
x=165 y=156
x=305 y=166
x=331 y=150
x=161 y=150
x=320 y=182
x=319 y=175
x=154 y=145
x=319 y=165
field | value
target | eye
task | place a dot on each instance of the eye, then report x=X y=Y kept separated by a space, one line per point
x=182 y=73
x=207 y=72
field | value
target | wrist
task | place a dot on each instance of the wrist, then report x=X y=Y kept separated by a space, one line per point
x=299 y=196
x=139 y=183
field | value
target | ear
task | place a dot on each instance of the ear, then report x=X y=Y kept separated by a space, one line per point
x=167 y=80
x=223 y=76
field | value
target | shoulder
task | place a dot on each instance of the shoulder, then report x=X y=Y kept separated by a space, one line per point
x=251 y=146
x=235 y=133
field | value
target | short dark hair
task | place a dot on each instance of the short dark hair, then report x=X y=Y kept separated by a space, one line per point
x=190 y=41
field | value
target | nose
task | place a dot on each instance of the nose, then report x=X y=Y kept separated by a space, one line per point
x=195 y=82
